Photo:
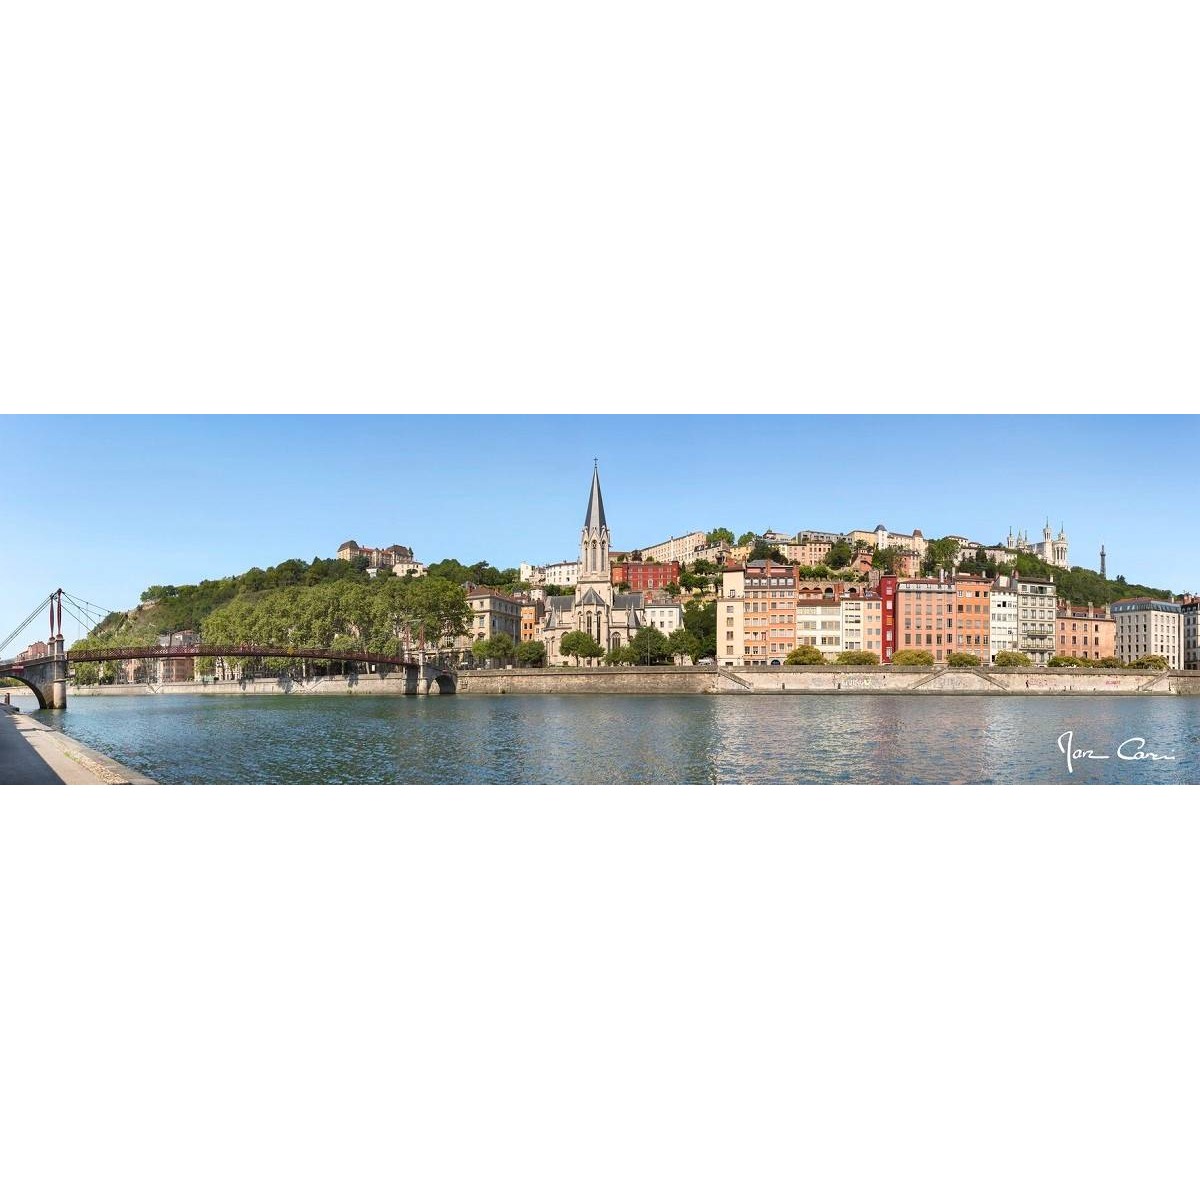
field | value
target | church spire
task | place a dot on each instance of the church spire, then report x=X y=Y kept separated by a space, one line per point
x=594 y=521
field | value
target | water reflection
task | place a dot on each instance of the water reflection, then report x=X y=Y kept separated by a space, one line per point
x=635 y=739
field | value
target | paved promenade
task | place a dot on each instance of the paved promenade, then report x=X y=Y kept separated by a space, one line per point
x=31 y=753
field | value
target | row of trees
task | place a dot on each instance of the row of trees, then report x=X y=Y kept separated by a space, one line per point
x=387 y=616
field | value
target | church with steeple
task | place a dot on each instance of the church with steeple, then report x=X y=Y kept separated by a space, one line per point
x=612 y=618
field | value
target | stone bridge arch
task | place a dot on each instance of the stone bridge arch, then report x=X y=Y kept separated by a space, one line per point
x=6 y=680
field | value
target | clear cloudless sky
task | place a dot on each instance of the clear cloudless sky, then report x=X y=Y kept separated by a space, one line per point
x=112 y=504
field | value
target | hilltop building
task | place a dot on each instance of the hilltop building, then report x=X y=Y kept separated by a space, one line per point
x=1051 y=549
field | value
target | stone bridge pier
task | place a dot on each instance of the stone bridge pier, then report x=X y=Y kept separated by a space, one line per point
x=46 y=677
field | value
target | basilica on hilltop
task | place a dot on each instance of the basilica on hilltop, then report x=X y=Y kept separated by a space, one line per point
x=1050 y=549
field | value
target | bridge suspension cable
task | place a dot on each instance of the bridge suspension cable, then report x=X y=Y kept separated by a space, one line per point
x=88 y=614
x=37 y=612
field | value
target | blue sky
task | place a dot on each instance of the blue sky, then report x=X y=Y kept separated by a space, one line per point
x=136 y=500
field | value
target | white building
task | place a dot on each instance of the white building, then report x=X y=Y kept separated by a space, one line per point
x=1004 y=628
x=1148 y=626
x=664 y=615
x=561 y=574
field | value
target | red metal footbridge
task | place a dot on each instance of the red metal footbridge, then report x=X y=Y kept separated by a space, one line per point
x=44 y=666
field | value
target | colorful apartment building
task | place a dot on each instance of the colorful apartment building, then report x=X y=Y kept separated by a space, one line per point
x=533 y=613
x=769 y=618
x=973 y=617
x=886 y=589
x=645 y=576
x=1085 y=632
x=925 y=616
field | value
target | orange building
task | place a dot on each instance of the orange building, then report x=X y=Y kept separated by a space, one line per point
x=973 y=616
x=533 y=613
x=925 y=616
x=768 y=612
x=1089 y=632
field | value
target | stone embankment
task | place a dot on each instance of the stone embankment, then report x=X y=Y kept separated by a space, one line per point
x=832 y=680
x=31 y=753
x=708 y=680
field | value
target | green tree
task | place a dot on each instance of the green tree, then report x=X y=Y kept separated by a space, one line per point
x=912 y=658
x=940 y=554
x=718 y=536
x=503 y=647
x=683 y=642
x=957 y=659
x=887 y=561
x=531 y=654
x=747 y=539
x=1013 y=658
x=649 y=646
x=1066 y=660
x=700 y=619
x=1149 y=662
x=839 y=555
x=804 y=656
x=858 y=658
x=578 y=644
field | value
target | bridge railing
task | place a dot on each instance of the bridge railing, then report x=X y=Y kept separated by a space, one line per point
x=242 y=650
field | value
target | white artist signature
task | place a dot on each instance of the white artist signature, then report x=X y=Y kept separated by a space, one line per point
x=1130 y=750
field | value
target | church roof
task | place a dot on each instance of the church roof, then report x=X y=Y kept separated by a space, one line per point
x=627 y=600
x=590 y=597
x=595 y=510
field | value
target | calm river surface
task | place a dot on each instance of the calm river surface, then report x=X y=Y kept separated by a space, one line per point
x=636 y=739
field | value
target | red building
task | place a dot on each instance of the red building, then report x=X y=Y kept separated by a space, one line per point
x=645 y=576
x=887 y=594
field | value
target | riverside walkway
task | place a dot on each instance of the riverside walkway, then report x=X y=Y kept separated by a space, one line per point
x=30 y=753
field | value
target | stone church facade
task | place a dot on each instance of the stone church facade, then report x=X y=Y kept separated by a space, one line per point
x=612 y=618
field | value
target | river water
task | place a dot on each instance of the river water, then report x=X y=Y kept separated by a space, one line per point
x=638 y=739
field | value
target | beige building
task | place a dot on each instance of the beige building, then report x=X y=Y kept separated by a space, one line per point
x=385 y=559
x=684 y=549
x=492 y=612
x=1149 y=626
x=1035 y=605
x=731 y=628
x=862 y=623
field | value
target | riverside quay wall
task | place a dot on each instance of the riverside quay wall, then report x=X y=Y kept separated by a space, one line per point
x=674 y=680
x=831 y=680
